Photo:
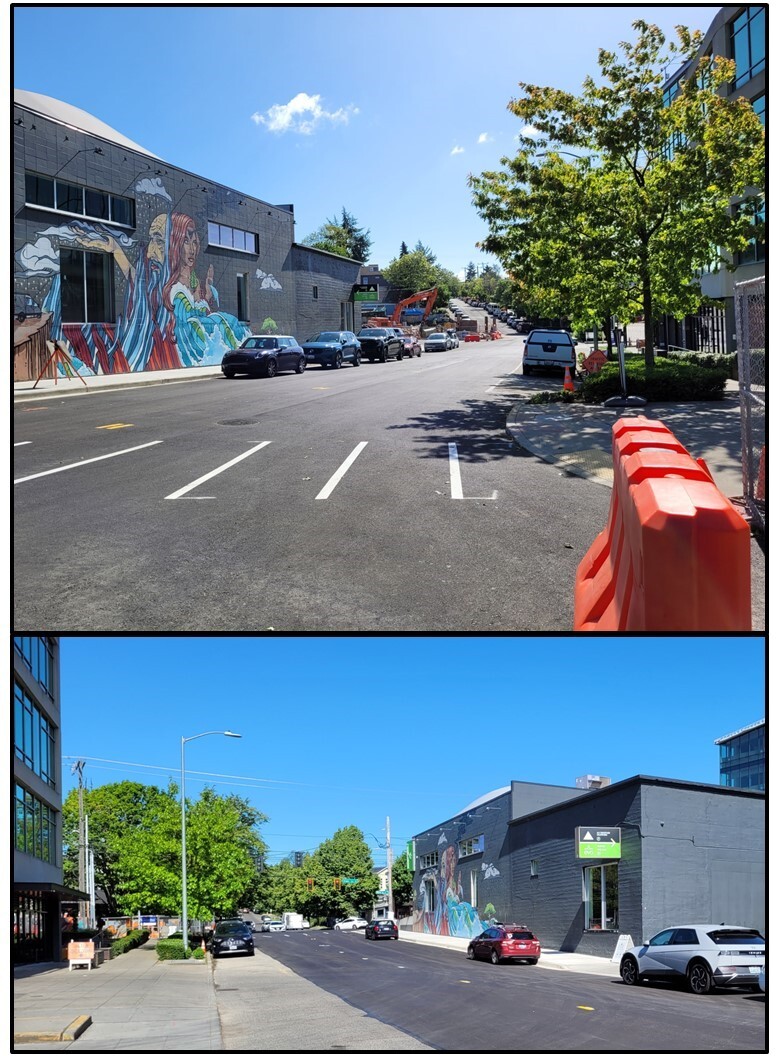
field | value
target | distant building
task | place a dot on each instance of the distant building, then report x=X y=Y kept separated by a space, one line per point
x=38 y=889
x=743 y=757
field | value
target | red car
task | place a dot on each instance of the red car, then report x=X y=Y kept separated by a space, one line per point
x=505 y=942
x=412 y=345
x=472 y=337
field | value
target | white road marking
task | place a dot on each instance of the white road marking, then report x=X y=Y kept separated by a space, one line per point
x=327 y=490
x=215 y=472
x=86 y=462
x=21 y=443
x=455 y=471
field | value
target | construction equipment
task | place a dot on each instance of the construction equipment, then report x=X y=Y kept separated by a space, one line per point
x=430 y=296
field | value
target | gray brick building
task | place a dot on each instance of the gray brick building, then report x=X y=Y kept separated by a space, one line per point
x=687 y=852
x=135 y=264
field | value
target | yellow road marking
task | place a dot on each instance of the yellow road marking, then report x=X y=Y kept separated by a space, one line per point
x=586 y=1008
x=116 y=425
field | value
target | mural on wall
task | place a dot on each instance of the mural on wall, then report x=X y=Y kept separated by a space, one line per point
x=170 y=313
x=450 y=913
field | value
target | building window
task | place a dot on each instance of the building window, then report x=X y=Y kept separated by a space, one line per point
x=748 y=44
x=759 y=106
x=534 y=867
x=756 y=247
x=63 y=197
x=430 y=896
x=315 y=293
x=232 y=238
x=37 y=654
x=242 y=298
x=430 y=861
x=34 y=831
x=86 y=286
x=33 y=736
x=474 y=845
x=600 y=893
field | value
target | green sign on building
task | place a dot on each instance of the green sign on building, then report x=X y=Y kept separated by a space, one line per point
x=593 y=842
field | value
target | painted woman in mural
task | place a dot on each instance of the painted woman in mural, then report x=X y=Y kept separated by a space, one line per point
x=201 y=333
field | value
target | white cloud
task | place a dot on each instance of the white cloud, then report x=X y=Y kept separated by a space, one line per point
x=528 y=132
x=484 y=138
x=302 y=114
x=457 y=150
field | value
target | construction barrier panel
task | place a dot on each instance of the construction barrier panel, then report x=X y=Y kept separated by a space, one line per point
x=675 y=555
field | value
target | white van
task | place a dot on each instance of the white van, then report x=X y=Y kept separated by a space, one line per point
x=549 y=348
x=293 y=921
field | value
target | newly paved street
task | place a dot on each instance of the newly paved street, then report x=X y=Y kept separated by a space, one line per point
x=387 y=498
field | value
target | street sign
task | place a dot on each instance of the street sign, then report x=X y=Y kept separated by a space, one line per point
x=384 y=892
x=350 y=880
x=594 y=362
x=593 y=842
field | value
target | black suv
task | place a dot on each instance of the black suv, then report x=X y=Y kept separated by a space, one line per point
x=381 y=928
x=380 y=343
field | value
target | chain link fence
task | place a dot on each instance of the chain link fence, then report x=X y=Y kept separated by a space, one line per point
x=750 y=309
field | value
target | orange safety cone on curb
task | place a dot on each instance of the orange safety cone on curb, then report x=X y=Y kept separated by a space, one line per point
x=569 y=385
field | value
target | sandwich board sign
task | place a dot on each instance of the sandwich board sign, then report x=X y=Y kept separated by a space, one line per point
x=594 y=842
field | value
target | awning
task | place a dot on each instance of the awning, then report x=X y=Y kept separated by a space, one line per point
x=69 y=894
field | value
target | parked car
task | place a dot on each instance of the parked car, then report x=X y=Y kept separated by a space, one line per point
x=251 y=924
x=264 y=354
x=505 y=942
x=412 y=345
x=453 y=337
x=332 y=348
x=762 y=980
x=382 y=928
x=549 y=348
x=273 y=925
x=380 y=343
x=703 y=955
x=231 y=936
x=436 y=342
x=351 y=924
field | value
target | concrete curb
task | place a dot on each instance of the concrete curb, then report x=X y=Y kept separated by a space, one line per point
x=70 y=1033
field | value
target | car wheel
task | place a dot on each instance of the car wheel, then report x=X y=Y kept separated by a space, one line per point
x=495 y=958
x=383 y=356
x=699 y=978
x=357 y=359
x=271 y=368
x=470 y=954
x=229 y=373
x=338 y=360
x=251 y=953
x=301 y=364
x=353 y=927
x=531 y=960
x=629 y=971
x=526 y=371
x=400 y=355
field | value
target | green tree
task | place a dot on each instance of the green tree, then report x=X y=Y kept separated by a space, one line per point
x=345 y=855
x=412 y=272
x=401 y=885
x=645 y=202
x=330 y=237
x=341 y=235
x=421 y=248
x=403 y=250
x=470 y=272
x=358 y=241
x=135 y=834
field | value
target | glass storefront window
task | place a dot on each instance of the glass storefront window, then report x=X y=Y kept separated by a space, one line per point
x=601 y=897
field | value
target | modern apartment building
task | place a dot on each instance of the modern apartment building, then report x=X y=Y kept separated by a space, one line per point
x=737 y=32
x=743 y=757
x=37 y=802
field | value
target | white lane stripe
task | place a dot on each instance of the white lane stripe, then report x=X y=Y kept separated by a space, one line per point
x=215 y=472
x=87 y=461
x=453 y=459
x=21 y=443
x=327 y=490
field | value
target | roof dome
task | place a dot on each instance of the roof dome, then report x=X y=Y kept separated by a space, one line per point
x=71 y=115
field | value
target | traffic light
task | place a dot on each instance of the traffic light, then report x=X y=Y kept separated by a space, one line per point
x=298 y=856
x=310 y=883
x=336 y=883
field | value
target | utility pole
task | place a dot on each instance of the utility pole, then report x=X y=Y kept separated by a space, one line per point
x=388 y=862
x=82 y=906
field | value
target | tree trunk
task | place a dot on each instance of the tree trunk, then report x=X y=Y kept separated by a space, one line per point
x=647 y=302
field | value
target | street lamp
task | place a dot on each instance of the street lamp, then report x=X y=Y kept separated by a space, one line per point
x=185 y=918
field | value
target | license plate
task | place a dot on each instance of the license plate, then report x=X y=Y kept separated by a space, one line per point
x=232 y=944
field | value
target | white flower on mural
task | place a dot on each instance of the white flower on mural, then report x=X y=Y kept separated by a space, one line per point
x=269 y=282
x=152 y=185
x=489 y=870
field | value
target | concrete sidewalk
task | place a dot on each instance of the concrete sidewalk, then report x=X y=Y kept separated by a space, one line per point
x=140 y=1003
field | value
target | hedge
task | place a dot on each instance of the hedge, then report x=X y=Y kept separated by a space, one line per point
x=171 y=950
x=668 y=380
x=130 y=941
x=708 y=360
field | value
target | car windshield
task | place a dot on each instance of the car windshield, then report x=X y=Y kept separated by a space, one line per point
x=260 y=342
x=230 y=929
x=326 y=337
x=436 y=337
x=374 y=331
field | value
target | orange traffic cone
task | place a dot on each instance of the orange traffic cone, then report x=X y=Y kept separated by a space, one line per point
x=569 y=385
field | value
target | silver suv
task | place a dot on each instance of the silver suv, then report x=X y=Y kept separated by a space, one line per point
x=704 y=955
x=549 y=348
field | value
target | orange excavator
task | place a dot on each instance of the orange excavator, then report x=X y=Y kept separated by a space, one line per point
x=430 y=296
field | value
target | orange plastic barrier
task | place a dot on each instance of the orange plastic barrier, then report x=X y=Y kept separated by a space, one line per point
x=675 y=555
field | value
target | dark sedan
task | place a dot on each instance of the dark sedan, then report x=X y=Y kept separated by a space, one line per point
x=380 y=343
x=505 y=942
x=381 y=929
x=264 y=355
x=332 y=348
x=231 y=936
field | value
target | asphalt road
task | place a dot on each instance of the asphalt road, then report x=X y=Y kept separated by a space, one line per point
x=448 y=1003
x=386 y=498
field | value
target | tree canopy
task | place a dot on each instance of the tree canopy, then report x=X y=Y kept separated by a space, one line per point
x=135 y=834
x=341 y=235
x=627 y=217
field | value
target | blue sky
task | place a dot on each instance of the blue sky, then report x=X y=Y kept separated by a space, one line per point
x=350 y=731
x=383 y=110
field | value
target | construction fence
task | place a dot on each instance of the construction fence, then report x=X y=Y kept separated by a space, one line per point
x=750 y=310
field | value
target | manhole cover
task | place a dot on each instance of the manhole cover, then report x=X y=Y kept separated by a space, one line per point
x=239 y=421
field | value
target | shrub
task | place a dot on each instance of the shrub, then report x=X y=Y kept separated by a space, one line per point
x=198 y=953
x=557 y=396
x=709 y=360
x=668 y=380
x=129 y=942
x=171 y=950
